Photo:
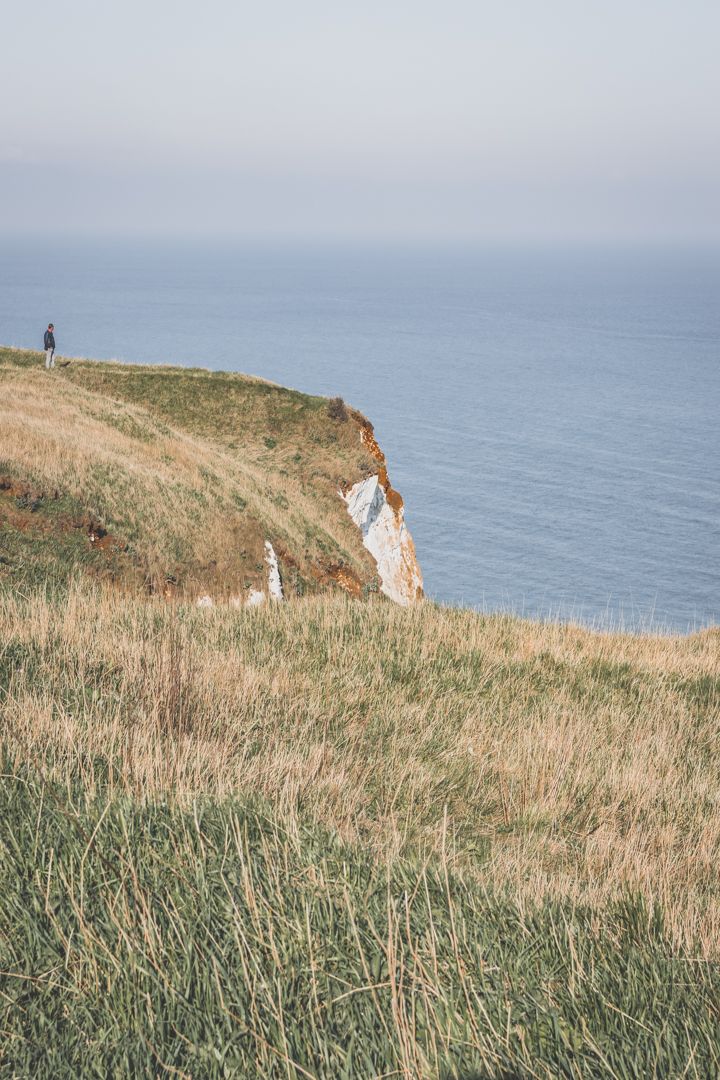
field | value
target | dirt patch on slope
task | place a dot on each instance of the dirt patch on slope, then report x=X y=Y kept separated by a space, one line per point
x=27 y=511
x=346 y=578
x=326 y=575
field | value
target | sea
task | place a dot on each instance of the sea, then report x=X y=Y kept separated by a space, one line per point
x=551 y=417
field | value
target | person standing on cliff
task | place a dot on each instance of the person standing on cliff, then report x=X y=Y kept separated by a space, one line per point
x=50 y=347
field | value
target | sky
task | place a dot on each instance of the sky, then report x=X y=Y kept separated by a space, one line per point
x=382 y=119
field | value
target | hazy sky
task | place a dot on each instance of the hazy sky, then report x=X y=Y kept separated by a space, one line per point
x=514 y=119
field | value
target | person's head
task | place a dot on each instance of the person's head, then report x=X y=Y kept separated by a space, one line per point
x=51 y=326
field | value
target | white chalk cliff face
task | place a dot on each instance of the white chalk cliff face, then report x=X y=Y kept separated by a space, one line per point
x=274 y=583
x=386 y=536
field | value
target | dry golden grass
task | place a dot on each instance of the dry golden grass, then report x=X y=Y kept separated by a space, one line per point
x=544 y=758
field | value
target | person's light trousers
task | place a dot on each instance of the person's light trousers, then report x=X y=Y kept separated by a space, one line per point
x=49 y=358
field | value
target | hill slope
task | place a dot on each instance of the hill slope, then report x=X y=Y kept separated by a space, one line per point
x=175 y=479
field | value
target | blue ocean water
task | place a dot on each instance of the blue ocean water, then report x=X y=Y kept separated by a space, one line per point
x=550 y=418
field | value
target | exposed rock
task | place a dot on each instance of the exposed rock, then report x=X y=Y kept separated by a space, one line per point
x=274 y=583
x=377 y=510
x=387 y=538
x=255 y=598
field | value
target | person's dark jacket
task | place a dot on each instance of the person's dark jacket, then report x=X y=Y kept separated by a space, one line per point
x=49 y=340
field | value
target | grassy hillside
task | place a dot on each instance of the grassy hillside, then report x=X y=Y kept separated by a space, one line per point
x=546 y=757
x=483 y=847
x=179 y=475
x=321 y=838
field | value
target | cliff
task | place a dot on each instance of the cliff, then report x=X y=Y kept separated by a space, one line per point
x=204 y=486
x=378 y=511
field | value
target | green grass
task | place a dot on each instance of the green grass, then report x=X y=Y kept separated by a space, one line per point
x=220 y=941
x=45 y=541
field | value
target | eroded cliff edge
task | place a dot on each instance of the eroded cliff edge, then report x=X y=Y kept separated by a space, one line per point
x=378 y=511
x=192 y=485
